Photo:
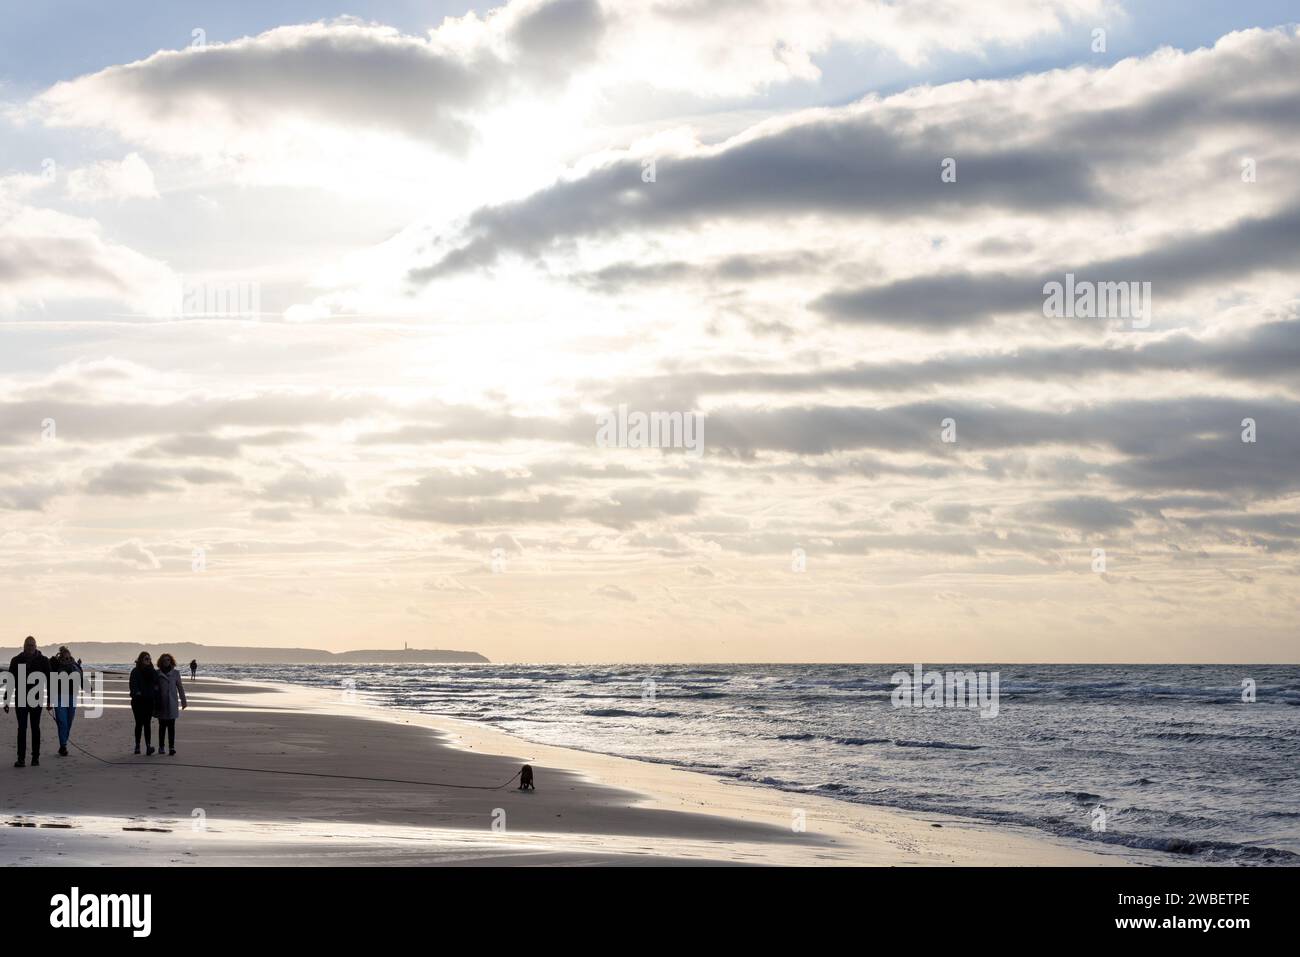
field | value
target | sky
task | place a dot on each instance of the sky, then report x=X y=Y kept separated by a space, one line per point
x=315 y=316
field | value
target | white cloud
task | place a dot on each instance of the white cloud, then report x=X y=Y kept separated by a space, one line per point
x=131 y=178
x=48 y=256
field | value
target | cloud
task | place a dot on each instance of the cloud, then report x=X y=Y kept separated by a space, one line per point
x=499 y=511
x=1180 y=263
x=131 y=178
x=1180 y=443
x=734 y=49
x=135 y=554
x=500 y=498
x=629 y=506
x=1085 y=513
x=1270 y=350
x=841 y=163
x=48 y=256
x=28 y=496
x=132 y=479
x=303 y=485
x=616 y=592
x=193 y=446
x=221 y=96
x=110 y=420
x=218 y=98
x=1021 y=158
x=618 y=277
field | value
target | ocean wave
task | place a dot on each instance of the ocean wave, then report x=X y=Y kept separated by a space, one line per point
x=831 y=739
x=859 y=742
x=1211 y=736
x=1208 y=851
x=1079 y=797
x=624 y=713
x=944 y=745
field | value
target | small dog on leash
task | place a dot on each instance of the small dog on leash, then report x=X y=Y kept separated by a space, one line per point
x=526 y=779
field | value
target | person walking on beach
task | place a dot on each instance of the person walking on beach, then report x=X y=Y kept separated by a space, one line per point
x=194 y=668
x=144 y=695
x=65 y=682
x=170 y=689
x=29 y=670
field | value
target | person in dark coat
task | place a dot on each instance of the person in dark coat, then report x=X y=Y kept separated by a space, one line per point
x=30 y=671
x=144 y=698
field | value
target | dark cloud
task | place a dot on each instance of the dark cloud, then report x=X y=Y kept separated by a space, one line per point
x=943 y=301
x=1269 y=531
x=550 y=38
x=845 y=166
x=882 y=161
x=345 y=74
x=1268 y=351
x=1085 y=513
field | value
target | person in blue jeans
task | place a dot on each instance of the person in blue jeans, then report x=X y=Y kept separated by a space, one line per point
x=65 y=682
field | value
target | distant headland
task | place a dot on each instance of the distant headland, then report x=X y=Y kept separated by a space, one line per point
x=118 y=652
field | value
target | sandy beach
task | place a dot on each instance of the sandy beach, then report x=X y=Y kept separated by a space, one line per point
x=195 y=809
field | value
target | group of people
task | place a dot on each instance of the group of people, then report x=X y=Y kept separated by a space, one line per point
x=156 y=693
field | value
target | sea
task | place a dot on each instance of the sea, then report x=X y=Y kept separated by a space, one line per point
x=1197 y=762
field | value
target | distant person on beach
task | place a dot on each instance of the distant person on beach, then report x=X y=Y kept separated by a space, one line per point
x=144 y=695
x=25 y=667
x=65 y=682
x=170 y=689
x=194 y=668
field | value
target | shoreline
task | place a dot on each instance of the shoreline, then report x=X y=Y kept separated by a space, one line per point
x=590 y=808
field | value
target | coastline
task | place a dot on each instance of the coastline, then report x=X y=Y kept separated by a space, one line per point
x=589 y=808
